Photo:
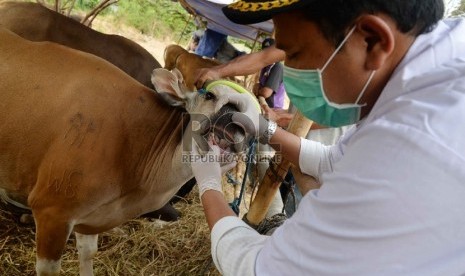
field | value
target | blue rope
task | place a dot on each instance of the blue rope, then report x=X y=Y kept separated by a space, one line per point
x=250 y=156
x=231 y=179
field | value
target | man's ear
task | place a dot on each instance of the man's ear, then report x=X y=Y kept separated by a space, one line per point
x=379 y=39
x=170 y=86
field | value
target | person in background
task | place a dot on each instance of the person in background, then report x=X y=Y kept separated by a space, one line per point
x=270 y=84
x=392 y=189
x=213 y=44
x=195 y=39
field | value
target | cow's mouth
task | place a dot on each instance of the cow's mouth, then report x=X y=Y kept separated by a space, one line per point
x=228 y=135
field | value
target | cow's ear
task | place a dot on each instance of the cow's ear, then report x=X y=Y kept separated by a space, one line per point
x=178 y=75
x=170 y=100
x=170 y=86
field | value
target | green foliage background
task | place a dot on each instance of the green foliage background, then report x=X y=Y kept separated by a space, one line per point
x=86 y=4
x=157 y=18
x=162 y=19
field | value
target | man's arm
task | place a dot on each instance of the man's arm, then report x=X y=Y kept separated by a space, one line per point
x=242 y=65
x=265 y=92
x=288 y=144
x=235 y=245
x=215 y=207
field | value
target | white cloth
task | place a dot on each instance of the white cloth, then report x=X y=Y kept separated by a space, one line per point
x=393 y=203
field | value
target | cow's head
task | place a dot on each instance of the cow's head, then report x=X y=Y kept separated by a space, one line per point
x=201 y=106
x=171 y=55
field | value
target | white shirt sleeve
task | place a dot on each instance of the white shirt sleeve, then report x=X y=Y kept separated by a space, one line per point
x=312 y=156
x=235 y=246
x=315 y=158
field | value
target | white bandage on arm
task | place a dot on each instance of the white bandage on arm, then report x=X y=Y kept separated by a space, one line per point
x=314 y=158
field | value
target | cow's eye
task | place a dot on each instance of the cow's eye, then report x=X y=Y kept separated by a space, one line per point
x=209 y=96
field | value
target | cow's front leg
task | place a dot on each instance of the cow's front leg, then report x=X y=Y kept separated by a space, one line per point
x=87 y=248
x=52 y=232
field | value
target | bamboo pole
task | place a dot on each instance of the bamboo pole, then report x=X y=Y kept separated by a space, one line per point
x=275 y=175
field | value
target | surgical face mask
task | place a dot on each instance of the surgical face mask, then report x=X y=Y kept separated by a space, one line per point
x=305 y=91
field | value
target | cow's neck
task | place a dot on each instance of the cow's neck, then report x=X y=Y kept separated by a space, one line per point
x=163 y=164
x=179 y=162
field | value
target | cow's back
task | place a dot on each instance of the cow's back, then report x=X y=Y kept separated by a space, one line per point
x=37 y=23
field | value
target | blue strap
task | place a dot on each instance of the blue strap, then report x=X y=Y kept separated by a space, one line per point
x=250 y=157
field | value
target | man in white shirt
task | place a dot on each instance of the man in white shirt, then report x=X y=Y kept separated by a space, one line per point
x=393 y=189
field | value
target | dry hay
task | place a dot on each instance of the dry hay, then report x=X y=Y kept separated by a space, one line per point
x=138 y=247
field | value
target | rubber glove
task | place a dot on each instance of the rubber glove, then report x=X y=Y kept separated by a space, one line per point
x=208 y=169
x=248 y=117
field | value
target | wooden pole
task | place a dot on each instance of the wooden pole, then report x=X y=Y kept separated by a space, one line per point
x=275 y=175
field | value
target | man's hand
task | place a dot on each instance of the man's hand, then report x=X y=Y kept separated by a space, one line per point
x=281 y=116
x=205 y=74
x=207 y=169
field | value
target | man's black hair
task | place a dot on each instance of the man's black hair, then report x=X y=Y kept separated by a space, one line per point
x=335 y=17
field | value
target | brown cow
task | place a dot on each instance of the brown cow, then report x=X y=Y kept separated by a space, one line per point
x=177 y=57
x=37 y=23
x=86 y=146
